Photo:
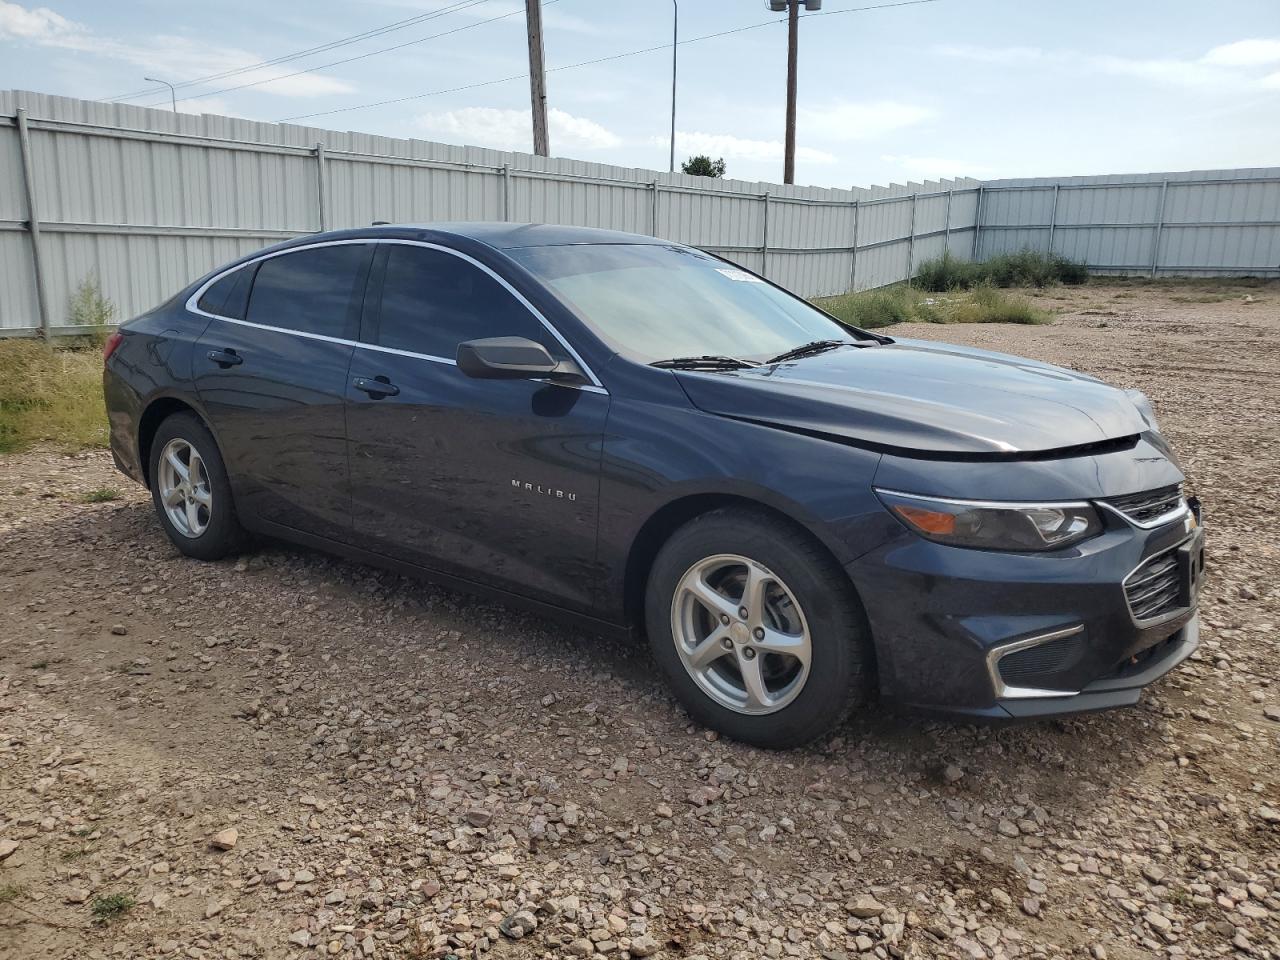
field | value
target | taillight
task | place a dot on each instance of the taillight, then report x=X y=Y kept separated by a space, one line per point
x=109 y=347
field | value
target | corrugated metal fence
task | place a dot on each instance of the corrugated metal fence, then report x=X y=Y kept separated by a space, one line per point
x=142 y=201
x=1207 y=222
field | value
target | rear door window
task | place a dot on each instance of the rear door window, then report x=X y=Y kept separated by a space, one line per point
x=317 y=291
x=431 y=301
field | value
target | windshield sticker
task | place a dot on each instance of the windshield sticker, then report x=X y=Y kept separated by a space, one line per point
x=740 y=275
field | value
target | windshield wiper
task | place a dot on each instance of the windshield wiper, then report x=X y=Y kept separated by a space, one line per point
x=710 y=362
x=808 y=349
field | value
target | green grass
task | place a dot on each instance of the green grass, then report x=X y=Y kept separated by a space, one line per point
x=111 y=907
x=904 y=304
x=10 y=892
x=51 y=394
x=101 y=495
x=1026 y=268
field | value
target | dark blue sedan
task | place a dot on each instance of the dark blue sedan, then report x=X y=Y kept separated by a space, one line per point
x=647 y=438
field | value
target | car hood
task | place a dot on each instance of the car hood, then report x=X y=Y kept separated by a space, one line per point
x=917 y=395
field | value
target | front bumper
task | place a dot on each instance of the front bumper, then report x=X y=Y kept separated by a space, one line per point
x=1002 y=635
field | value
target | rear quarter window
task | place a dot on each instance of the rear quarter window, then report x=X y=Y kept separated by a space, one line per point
x=229 y=295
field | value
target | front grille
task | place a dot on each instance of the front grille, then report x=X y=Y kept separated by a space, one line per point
x=1023 y=668
x=1143 y=508
x=1155 y=588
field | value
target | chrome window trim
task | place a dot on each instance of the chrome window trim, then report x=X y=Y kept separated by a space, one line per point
x=1005 y=692
x=192 y=305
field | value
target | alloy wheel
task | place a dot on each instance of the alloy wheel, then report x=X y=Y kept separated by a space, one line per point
x=741 y=634
x=185 y=493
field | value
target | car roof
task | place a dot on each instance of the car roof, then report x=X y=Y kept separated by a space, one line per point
x=507 y=236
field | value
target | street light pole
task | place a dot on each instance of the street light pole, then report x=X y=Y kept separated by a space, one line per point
x=173 y=98
x=675 y=43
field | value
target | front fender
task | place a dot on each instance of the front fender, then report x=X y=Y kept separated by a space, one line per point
x=656 y=455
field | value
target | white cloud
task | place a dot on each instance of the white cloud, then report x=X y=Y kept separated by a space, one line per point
x=990 y=54
x=39 y=23
x=512 y=129
x=846 y=120
x=931 y=168
x=218 y=106
x=174 y=58
x=738 y=148
x=1245 y=53
x=1225 y=67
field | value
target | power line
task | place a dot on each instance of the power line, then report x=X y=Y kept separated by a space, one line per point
x=587 y=63
x=340 y=42
x=360 y=56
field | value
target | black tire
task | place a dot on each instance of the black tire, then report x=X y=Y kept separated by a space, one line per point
x=223 y=534
x=841 y=666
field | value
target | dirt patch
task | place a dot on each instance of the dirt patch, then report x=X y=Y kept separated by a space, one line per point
x=407 y=768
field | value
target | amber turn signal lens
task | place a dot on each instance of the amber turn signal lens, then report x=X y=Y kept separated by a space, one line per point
x=927 y=521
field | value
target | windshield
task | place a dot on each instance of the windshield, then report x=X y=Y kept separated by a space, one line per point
x=654 y=302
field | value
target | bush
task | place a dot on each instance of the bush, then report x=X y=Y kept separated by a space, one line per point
x=947 y=273
x=1026 y=268
x=50 y=394
x=903 y=304
x=89 y=308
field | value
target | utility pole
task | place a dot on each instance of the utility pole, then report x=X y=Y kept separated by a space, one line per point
x=793 y=42
x=537 y=77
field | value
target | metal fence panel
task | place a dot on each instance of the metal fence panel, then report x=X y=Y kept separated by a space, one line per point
x=146 y=200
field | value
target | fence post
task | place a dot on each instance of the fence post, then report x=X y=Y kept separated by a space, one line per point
x=977 y=226
x=653 y=208
x=764 y=243
x=853 y=261
x=946 y=229
x=320 y=189
x=1155 y=240
x=911 y=240
x=1053 y=217
x=33 y=224
x=506 y=192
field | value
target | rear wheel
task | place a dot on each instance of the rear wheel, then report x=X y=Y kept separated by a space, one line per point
x=757 y=628
x=190 y=490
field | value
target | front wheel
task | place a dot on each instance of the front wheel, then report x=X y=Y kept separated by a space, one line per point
x=757 y=628
x=190 y=490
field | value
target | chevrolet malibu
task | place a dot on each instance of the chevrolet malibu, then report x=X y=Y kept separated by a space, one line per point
x=642 y=437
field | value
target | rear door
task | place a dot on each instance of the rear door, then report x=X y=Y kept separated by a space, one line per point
x=271 y=373
x=493 y=480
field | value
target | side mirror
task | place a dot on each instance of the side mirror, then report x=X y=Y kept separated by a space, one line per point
x=513 y=358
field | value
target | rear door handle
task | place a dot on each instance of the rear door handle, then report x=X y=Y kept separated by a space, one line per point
x=225 y=358
x=377 y=387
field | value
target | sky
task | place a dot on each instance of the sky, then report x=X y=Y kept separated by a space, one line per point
x=939 y=88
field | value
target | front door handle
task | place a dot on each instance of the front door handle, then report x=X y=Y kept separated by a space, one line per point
x=378 y=387
x=225 y=358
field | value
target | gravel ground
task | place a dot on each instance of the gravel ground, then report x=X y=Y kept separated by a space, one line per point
x=291 y=756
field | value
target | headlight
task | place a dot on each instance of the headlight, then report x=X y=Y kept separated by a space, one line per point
x=994 y=526
x=1143 y=403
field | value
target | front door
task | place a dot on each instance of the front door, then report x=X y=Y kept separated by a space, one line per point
x=272 y=374
x=496 y=481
